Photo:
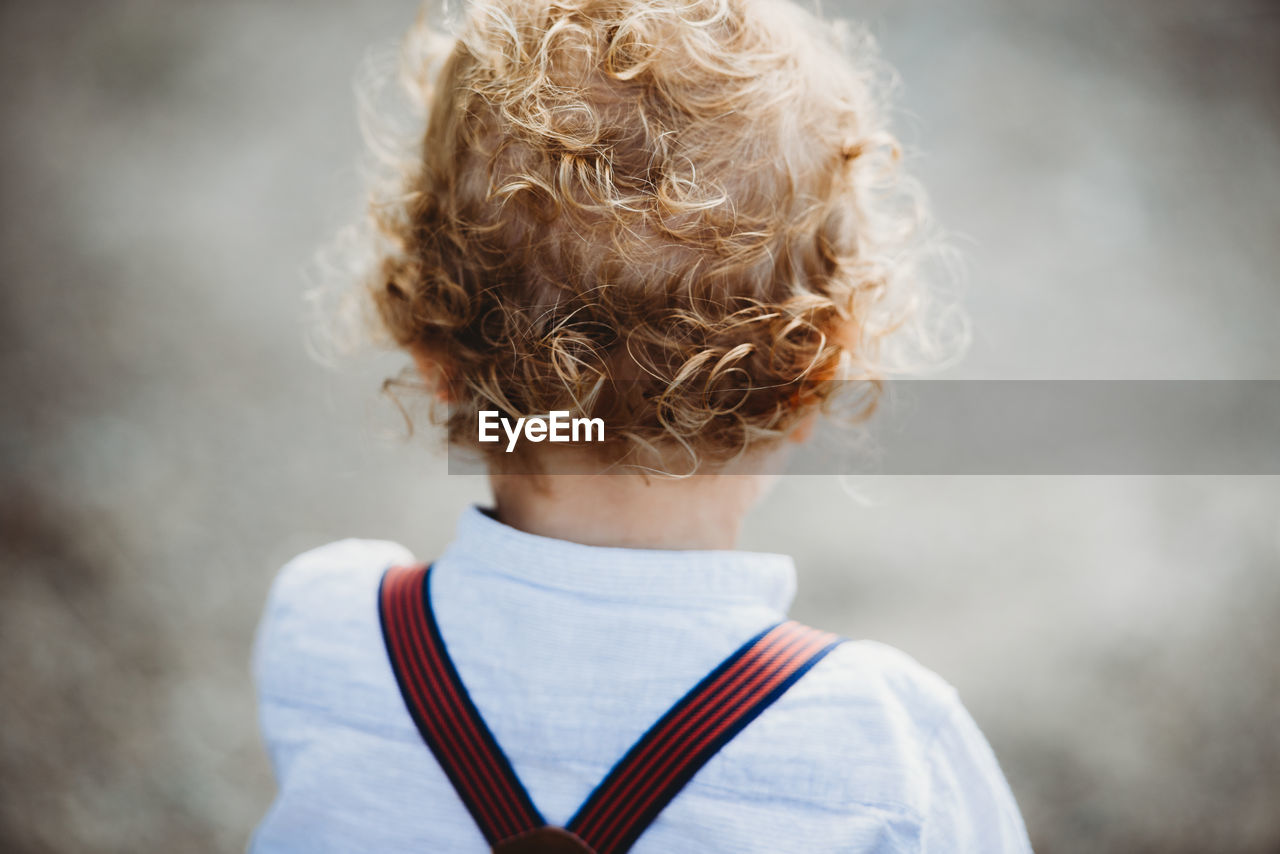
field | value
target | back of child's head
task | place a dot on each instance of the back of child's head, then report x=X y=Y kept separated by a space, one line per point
x=681 y=216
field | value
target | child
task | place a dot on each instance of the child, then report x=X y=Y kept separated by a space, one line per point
x=675 y=217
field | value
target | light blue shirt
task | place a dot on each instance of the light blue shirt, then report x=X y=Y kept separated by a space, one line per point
x=570 y=653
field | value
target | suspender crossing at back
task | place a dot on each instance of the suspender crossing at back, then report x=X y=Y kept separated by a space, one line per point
x=638 y=787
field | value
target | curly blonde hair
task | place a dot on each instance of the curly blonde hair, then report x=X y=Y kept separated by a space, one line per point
x=685 y=217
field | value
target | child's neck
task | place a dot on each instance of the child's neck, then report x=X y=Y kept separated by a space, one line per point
x=628 y=511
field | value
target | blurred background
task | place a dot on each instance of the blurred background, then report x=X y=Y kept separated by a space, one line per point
x=1111 y=172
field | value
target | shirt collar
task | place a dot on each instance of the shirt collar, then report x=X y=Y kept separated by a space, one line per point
x=659 y=576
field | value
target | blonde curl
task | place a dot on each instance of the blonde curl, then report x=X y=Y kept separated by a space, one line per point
x=687 y=217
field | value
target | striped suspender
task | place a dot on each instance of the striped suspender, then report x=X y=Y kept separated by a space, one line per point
x=445 y=715
x=640 y=785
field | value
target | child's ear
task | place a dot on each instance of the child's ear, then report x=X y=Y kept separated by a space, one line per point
x=434 y=371
x=804 y=428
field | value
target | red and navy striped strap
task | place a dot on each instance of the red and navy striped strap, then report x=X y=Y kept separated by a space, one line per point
x=642 y=783
x=666 y=757
x=447 y=719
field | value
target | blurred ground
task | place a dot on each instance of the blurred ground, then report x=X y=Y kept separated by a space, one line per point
x=1113 y=171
